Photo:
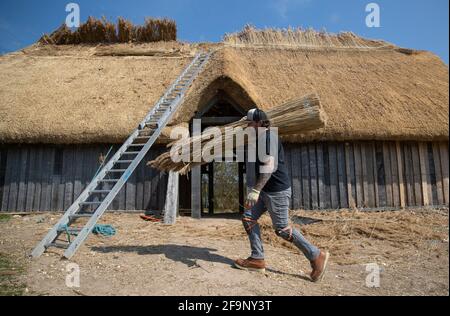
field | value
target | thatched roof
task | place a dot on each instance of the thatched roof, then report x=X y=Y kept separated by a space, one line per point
x=91 y=94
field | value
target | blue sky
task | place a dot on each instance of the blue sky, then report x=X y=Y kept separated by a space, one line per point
x=419 y=24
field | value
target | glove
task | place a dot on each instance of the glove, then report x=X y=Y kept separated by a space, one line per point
x=252 y=197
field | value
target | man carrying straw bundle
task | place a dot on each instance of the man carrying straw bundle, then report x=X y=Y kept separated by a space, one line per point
x=272 y=192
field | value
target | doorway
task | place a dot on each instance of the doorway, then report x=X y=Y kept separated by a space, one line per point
x=219 y=187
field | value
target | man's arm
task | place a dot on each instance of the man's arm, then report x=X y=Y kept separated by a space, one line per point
x=267 y=169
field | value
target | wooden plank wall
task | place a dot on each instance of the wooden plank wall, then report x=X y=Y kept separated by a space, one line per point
x=324 y=175
x=33 y=179
x=368 y=175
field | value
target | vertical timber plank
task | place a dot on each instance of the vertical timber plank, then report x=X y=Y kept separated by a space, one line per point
x=78 y=166
x=438 y=172
x=306 y=186
x=321 y=176
x=411 y=201
x=380 y=172
x=444 y=168
x=24 y=167
x=417 y=180
x=387 y=174
x=359 y=175
x=296 y=186
x=196 y=192
x=31 y=178
x=424 y=173
x=394 y=175
x=401 y=178
x=375 y=174
x=342 y=176
x=288 y=162
x=348 y=172
x=14 y=180
x=334 y=188
x=313 y=176
x=68 y=167
x=8 y=175
x=37 y=179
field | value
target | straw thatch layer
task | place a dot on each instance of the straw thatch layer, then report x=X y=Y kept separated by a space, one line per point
x=102 y=31
x=302 y=38
x=86 y=94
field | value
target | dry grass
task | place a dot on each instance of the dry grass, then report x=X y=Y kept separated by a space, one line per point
x=298 y=37
x=102 y=31
x=343 y=232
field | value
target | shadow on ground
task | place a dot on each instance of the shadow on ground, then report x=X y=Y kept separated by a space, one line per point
x=187 y=255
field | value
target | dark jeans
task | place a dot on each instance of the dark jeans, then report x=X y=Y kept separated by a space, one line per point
x=277 y=203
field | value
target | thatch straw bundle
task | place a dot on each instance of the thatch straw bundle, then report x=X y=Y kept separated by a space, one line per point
x=103 y=31
x=299 y=37
x=294 y=117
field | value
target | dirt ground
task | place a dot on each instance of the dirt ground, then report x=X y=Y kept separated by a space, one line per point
x=194 y=257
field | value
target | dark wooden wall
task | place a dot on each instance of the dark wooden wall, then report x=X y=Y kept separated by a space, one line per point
x=368 y=175
x=49 y=178
x=324 y=175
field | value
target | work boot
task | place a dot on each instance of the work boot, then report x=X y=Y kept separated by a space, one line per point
x=251 y=264
x=319 y=266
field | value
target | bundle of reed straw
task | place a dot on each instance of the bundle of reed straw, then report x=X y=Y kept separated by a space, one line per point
x=294 y=117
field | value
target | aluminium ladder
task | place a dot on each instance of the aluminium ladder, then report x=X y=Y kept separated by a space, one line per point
x=99 y=194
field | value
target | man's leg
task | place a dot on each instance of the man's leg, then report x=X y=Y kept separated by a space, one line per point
x=278 y=206
x=250 y=220
x=251 y=226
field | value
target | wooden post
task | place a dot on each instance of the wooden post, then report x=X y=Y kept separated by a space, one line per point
x=400 y=175
x=444 y=168
x=375 y=174
x=438 y=171
x=196 y=185
x=171 y=206
x=211 y=188
x=423 y=157
x=196 y=175
x=387 y=175
x=350 y=198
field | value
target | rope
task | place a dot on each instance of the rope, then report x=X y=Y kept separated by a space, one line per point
x=105 y=230
x=99 y=229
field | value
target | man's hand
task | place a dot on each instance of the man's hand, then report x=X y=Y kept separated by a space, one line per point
x=252 y=197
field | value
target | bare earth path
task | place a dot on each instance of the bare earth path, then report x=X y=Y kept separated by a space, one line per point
x=195 y=257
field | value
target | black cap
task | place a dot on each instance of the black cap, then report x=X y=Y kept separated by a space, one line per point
x=257 y=115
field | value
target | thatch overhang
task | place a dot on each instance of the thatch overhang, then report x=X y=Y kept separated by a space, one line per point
x=99 y=94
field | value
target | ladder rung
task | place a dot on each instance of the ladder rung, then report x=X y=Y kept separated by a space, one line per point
x=109 y=180
x=117 y=170
x=124 y=161
x=100 y=191
x=70 y=230
x=143 y=137
x=80 y=215
x=91 y=203
x=58 y=245
x=131 y=153
x=137 y=145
